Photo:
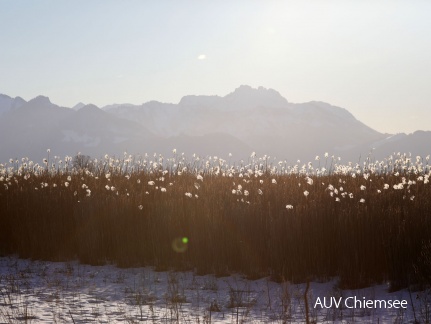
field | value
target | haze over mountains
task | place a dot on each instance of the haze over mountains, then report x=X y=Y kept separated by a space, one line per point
x=241 y=122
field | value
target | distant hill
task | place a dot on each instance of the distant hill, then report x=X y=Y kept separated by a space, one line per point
x=243 y=121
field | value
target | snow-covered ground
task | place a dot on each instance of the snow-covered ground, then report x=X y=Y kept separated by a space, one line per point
x=60 y=292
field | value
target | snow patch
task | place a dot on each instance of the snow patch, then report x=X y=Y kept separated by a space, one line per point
x=69 y=292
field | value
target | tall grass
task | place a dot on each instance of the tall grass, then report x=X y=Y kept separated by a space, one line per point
x=365 y=223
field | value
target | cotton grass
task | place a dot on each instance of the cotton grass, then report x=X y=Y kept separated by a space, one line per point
x=364 y=223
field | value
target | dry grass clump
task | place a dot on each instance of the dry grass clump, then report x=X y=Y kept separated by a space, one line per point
x=365 y=222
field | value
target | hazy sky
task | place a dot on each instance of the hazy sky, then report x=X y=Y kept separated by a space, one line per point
x=370 y=57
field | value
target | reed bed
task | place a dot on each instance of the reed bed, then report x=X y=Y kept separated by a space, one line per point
x=365 y=222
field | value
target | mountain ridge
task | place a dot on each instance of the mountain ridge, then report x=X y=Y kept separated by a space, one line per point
x=257 y=119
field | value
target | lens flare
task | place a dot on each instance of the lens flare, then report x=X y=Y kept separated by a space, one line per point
x=179 y=244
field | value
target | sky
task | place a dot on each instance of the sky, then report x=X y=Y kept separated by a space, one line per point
x=370 y=57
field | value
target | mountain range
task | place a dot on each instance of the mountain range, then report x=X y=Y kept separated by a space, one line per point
x=246 y=120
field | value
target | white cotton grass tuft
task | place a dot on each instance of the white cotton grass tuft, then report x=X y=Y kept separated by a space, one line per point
x=306 y=193
x=289 y=207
